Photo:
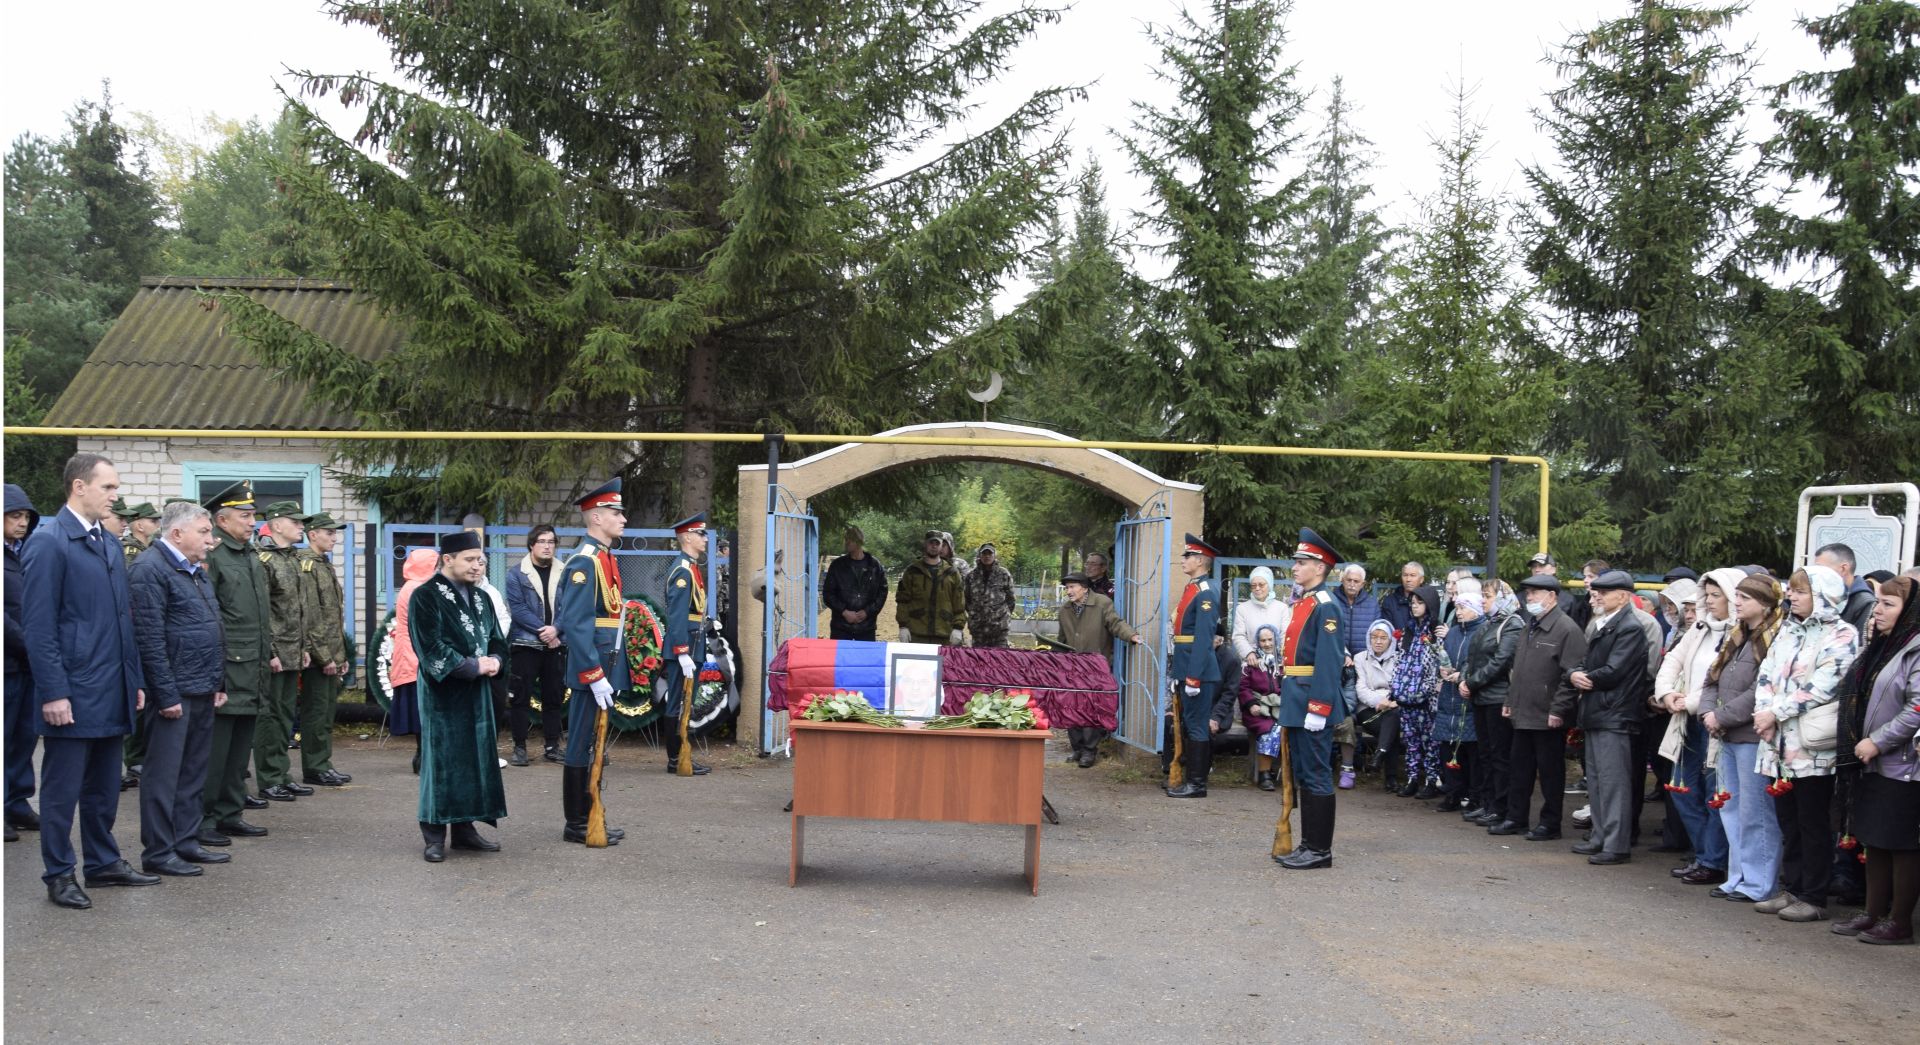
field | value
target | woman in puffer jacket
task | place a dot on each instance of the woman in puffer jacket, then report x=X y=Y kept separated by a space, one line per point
x=1259 y=697
x=1798 y=722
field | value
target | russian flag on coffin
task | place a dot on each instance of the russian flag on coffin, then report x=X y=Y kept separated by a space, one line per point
x=817 y=666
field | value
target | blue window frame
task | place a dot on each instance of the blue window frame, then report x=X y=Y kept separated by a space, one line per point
x=276 y=481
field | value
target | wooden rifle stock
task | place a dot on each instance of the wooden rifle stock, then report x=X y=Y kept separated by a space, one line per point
x=597 y=813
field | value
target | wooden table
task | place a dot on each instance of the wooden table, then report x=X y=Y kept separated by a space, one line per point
x=974 y=776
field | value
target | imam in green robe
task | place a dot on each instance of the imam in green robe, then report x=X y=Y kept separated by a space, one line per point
x=452 y=626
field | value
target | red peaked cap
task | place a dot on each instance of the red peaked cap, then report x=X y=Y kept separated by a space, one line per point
x=1313 y=546
x=605 y=496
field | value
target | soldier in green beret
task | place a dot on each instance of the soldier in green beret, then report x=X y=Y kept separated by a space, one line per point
x=287 y=626
x=326 y=648
x=240 y=586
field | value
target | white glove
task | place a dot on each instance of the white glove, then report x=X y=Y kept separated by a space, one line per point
x=954 y=639
x=1316 y=723
x=686 y=666
x=602 y=693
x=1191 y=691
x=906 y=634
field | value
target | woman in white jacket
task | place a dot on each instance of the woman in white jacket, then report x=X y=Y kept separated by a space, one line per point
x=1263 y=607
x=1374 y=666
x=1683 y=674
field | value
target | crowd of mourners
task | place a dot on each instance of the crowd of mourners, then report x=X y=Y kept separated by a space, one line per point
x=1776 y=719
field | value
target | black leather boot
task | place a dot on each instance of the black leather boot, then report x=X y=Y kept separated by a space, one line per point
x=573 y=789
x=435 y=836
x=1199 y=758
x=673 y=757
x=1316 y=833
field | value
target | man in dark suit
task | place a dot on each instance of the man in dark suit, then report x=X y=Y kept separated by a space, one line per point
x=21 y=519
x=87 y=679
x=1613 y=681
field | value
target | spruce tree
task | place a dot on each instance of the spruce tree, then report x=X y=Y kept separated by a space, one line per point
x=1852 y=136
x=1346 y=244
x=1684 y=371
x=1224 y=328
x=727 y=216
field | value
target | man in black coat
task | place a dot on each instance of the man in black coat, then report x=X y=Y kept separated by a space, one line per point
x=1613 y=681
x=183 y=654
x=18 y=736
x=856 y=589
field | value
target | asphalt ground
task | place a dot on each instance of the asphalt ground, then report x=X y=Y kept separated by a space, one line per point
x=1157 y=920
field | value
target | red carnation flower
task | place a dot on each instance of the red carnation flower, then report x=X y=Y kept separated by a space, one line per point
x=1453 y=765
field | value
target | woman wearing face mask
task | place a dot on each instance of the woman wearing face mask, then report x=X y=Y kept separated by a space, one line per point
x=1797 y=719
x=1416 y=686
x=1374 y=667
x=1453 y=731
x=1880 y=718
x=1727 y=710
x=1678 y=688
x=1259 y=697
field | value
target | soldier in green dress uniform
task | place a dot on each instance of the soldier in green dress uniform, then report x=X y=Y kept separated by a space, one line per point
x=286 y=620
x=326 y=647
x=240 y=586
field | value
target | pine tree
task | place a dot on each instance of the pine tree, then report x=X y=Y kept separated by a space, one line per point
x=1856 y=143
x=1223 y=330
x=1459 y=369
x=1683 y=369
x=597 y=216
x=1347 y=243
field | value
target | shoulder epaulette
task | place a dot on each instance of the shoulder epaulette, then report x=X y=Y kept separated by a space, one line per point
x=1322 y=597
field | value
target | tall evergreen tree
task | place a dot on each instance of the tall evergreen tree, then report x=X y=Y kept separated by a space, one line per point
x=1683 y=369
x=1852 y=135
x=606 y=215
x=1346 y=243
x=1224 y=327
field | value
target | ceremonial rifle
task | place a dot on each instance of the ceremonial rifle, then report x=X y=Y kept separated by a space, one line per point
x=596 y=812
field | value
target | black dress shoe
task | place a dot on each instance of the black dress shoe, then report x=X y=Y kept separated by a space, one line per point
x=1426 y=793
x=171 y=867
x=279 y=793
x=298 y=790
x=1684 y=869
x=122 y=873
x=242 y=829
x=1542 y=834
x=1604 y=859
x=1487 y=819
x=1587 y=848
x=194 y=853
x=1504 y=827
x=472 y=839
x=67 y=893
x=1471 y=812
x=27 y=821
x=698 y=769
x=1446 y=805
x=436 y=853
x=1304 y=859
x=329 y=778
x=1188 y=790
x=1704 y=876
x=252 y=802
x=208 y=836
x=129 y=782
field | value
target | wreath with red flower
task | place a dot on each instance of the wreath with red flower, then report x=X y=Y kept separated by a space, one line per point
x=645 y=642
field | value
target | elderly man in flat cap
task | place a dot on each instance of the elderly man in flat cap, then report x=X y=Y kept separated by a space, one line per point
x=1613 y=680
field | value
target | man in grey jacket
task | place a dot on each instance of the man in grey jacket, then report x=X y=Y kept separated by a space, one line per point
x=1540 y=703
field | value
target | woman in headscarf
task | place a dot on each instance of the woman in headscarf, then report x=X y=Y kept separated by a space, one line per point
x=1262 y=608
x=1795 y=714
x=1259 y=700
x=1678 y=688
x=1726 y=709
x=1373 y=668
x=1453 y=732
x=1416 y=685
x=1879 y=717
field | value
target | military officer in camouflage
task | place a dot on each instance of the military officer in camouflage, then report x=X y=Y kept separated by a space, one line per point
x=240 y=586
x=1315 y=656
x=286 y=623
x=686 y=627
x=989 y=599
x=1193 y=673
x=590 y=613
x=326 y=648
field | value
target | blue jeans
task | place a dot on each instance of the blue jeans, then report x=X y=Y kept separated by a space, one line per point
x=1753 y=829
x=1709 y=838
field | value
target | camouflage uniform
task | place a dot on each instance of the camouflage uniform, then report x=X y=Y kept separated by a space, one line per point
x=287 y=624
x=326 y=645
x=989 y=604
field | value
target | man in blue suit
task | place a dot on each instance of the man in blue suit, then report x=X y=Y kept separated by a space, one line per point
x=86 y=679
x=590 y=613
x=1193 y=672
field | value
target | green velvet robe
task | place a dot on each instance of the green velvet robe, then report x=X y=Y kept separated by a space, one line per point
x=459 y=763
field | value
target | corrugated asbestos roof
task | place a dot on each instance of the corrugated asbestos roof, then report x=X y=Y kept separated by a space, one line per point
x=166 y=363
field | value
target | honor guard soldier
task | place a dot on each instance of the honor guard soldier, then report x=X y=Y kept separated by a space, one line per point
x=240 y=587
x=1310 y=700
x=287 y=623
x=590 y=613
x=686 y=630
x=327 y=657
x=1193 y=672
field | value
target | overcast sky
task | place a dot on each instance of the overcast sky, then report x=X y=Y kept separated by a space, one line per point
x=184 y=62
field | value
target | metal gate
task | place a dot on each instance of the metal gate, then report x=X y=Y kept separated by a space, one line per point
x=792 y=595
x=1143 y=596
